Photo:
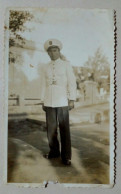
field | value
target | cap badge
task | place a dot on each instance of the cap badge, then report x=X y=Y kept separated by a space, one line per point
x=50 y=42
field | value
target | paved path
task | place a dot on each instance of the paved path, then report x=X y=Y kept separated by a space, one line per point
x=28 y=143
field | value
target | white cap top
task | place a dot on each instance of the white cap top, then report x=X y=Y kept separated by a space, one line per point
x=51 y=43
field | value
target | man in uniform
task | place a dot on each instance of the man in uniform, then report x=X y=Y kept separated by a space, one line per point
x=58 y=93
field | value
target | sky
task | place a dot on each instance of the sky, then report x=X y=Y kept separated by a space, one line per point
x=80 y=31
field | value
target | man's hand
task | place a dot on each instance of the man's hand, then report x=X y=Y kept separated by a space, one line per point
x=71 y=104
x=43 y=107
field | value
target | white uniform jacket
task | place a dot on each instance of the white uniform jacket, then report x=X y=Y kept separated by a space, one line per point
x=58 y=84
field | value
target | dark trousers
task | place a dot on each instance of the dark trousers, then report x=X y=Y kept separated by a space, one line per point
x=55 y=116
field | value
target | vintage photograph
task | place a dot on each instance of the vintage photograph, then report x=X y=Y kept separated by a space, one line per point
x=60 y=65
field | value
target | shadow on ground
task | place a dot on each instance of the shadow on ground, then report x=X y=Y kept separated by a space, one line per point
x=28 y=142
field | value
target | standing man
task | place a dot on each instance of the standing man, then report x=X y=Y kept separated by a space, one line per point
x=58 y=93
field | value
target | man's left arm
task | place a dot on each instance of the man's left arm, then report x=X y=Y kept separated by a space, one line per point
x=71 y=80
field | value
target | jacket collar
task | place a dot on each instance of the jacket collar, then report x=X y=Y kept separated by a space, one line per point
x=56 y=61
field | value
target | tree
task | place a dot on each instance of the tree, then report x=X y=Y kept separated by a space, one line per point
x=16 y=24
x=100 y=68
x=17 y=20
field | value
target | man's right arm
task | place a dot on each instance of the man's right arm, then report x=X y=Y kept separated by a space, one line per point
x=43 y=85
x=43 y=107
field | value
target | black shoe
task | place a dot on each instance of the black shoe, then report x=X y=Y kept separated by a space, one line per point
x=67 y=162
x=50 y=156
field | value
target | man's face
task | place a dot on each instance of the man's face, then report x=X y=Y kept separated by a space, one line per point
x=54 y=53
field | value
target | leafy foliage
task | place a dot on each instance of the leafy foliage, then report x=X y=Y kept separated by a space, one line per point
x=98 y=64
x=96 y=68
x=17 y=20
x=16 y=24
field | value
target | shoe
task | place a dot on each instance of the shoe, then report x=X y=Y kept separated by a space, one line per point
x=50 y=156
x=67 y=162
